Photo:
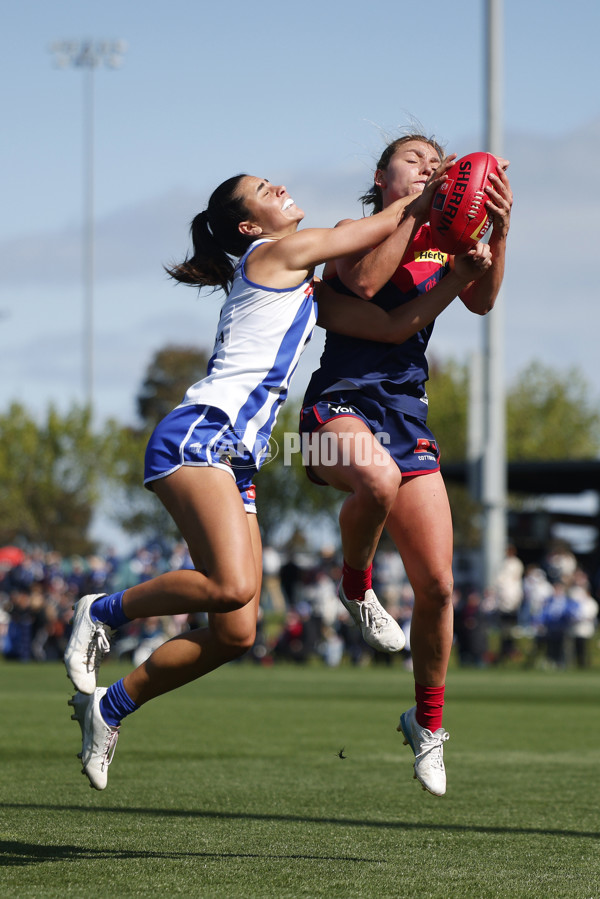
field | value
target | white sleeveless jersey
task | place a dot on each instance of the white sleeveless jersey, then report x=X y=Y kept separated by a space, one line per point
x=261 y=335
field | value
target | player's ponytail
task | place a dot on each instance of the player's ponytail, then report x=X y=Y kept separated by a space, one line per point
x=216 y=238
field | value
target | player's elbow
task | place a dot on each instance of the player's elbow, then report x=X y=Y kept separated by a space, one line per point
x=485 y=306
x=366 y=290
x=481 y=310
x=478 y=305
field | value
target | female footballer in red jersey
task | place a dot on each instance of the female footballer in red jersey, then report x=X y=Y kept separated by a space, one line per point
x=363 y=388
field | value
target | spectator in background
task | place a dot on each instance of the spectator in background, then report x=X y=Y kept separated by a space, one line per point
x=584 y=625
x=537 y=589
x=290 y=575
x=508 y=593
x=558 y=615
x=560 y=563
x=293 y=643
x=272 y=593
x=470 y=630
x=26 y=618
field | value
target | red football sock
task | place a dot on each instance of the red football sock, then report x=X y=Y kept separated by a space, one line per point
x=356 y=582
x=430 y=706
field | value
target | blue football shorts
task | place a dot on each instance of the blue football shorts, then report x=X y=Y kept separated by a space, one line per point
x=200 y=436
x=407 y=439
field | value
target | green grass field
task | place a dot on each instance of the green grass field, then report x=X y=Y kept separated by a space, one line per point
x=233 y=787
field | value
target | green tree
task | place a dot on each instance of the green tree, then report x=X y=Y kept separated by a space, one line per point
x=170 y=372
x=134 y=509
x=48 y=478
x=551 y=415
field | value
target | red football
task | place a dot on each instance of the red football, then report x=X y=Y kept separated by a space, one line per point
x=459 y=218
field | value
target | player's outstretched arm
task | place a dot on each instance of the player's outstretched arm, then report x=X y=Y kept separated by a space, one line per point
x=300 y=252
x=357 y=318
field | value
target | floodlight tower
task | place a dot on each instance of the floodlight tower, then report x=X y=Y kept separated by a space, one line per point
x=88 y=55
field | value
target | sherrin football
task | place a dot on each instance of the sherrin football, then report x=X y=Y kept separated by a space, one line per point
x=459 y=218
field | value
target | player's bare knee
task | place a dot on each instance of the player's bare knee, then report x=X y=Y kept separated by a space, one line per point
x=378 y=487
x=234 y=595
x=438 y=590
x=234 y=644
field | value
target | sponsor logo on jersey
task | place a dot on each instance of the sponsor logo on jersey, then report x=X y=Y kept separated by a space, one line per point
x=341 y=410
x=426 y=449
x=431 y=256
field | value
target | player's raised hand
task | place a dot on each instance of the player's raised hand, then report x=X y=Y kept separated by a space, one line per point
x=474 y=263
x=499 y=199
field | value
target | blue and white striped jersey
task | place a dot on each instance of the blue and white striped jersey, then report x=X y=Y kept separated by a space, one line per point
x=261 y=335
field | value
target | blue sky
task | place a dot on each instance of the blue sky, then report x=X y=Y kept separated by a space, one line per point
x=304 y=94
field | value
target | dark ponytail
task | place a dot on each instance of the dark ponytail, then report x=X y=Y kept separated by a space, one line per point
x=216 y=238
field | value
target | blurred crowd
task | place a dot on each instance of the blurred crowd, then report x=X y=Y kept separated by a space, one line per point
x=543 y=614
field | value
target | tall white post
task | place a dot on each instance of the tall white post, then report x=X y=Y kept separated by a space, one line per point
x=494 y=473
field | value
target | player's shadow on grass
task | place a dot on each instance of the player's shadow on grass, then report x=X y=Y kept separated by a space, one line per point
x=308 y=819
x=18 y=854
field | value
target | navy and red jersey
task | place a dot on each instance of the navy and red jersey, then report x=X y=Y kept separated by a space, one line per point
x=393 y=374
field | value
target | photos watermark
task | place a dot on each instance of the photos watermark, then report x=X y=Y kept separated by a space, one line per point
x=329 y=449
x=319 y=448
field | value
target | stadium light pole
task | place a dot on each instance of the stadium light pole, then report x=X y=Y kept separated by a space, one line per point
x=88 y=55
x=493 y=459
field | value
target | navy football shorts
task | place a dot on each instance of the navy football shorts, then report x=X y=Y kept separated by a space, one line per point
x=200 y=436
x=408 y=440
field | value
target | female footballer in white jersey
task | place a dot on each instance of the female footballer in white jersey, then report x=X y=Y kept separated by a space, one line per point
x=201 y=457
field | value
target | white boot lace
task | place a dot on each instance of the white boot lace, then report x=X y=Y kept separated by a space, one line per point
x=433 y=744
x=98 y=647
x=373 y=614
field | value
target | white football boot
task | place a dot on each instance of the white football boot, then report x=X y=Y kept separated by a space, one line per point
x=87 y=646
x=99 y=738
x=378 y=627
x=428 y=748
